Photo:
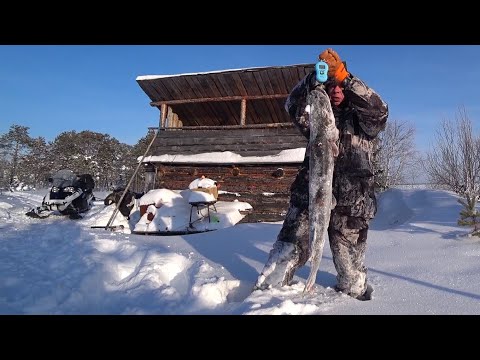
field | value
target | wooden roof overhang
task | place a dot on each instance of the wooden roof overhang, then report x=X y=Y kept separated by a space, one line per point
x=224 y=98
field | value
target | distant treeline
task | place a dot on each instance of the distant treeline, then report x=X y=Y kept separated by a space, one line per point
x=33 y=160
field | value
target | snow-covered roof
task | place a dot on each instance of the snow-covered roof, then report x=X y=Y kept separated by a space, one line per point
x=230 y=158
x=153 y=77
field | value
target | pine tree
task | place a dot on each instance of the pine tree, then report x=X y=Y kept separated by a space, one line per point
x=35 y=167
x=470 y=216
x=14 y=145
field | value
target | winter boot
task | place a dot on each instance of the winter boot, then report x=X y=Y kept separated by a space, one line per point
x=367 y=295
x=280 y=267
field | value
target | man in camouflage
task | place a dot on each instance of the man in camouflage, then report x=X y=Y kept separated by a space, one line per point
x=360 y=115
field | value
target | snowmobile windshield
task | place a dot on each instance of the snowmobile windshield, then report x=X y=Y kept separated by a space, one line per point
x=64 y=178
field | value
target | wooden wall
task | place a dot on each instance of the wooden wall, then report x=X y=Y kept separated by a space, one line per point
x=245 y=141
x=265 y=187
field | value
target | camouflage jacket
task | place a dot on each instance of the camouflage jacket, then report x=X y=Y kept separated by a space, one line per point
x=360 y=118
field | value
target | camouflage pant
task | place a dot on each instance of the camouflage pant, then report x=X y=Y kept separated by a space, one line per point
x=347 y=232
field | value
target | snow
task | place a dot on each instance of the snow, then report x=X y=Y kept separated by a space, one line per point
x=153 y=77
x=159 y=197
x=227 y=157
x=178 y=211
x=176 y=214
x=202 y=182
x=419 y=260
x=198 y=197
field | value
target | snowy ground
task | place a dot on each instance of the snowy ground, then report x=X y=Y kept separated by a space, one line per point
x=419 y=262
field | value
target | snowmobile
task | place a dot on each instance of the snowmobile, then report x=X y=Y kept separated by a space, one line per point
x=69 y=195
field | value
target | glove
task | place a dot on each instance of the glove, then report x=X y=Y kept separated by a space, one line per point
x=336 y=68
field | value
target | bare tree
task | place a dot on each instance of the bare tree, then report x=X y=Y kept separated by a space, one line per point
x=454 y=161
x=396 y=153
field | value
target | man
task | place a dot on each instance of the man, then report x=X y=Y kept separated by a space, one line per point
x=360 y=115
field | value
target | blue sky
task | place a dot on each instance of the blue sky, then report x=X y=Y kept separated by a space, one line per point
x=59 y=88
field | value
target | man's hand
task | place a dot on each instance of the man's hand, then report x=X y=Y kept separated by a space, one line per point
x=336 y=68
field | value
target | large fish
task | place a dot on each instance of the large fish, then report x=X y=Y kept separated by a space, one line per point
x=323 y=150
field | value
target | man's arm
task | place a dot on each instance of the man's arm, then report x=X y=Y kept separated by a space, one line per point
x=296 y=103
x=372 y=110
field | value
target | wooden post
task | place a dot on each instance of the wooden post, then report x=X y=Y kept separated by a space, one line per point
x=163 y=115
x=243 y=112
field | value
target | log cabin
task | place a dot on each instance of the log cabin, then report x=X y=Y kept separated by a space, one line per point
x=230 y=126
